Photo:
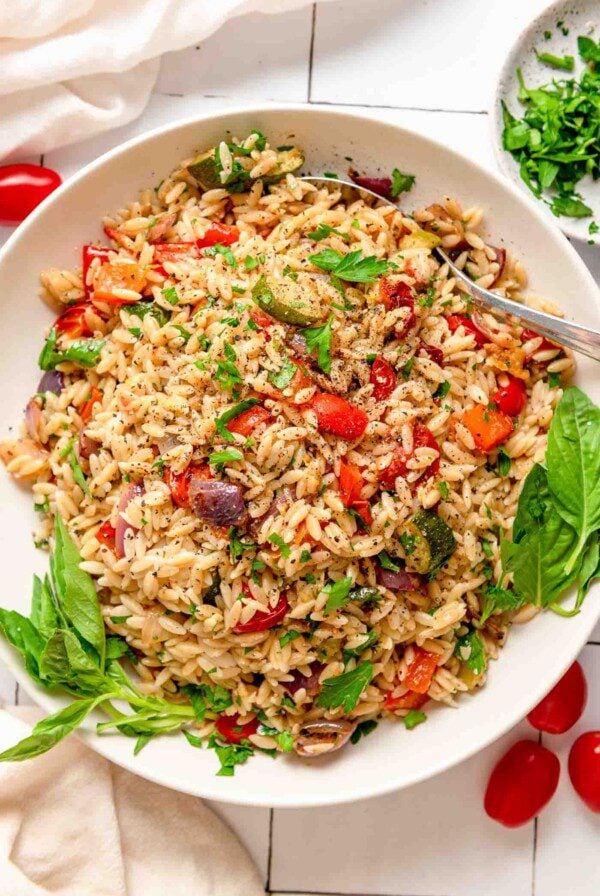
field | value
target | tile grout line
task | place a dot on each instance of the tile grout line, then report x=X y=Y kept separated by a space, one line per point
x=270 y=851
x=311 y=50
x=302 y=892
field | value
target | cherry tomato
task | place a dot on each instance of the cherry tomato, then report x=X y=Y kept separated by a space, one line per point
x=511 y=399
x=459 y=320
x=351 y=482
x=106 y=535
x=545 y=344
x=88 y=255
x=489 y=428
x=179 y=483
x=264 y=619
x=584 y=768
x=560 y=709
x=262 y=320
x=112 y=278
x=22 y=188
x=410 y=700
x=398 y=466
x=521 y=784
x=339 y=417
x=86 y=409
x=248 y=420
x=219 y=233
x=72 y=321
x=229 y=727
x=382 y=378
x=421 y=671
x=436 y=354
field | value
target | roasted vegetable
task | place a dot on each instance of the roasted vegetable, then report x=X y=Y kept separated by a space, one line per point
x=420 y=239
x=206 y=169
x=288 y=301
x=428 y=542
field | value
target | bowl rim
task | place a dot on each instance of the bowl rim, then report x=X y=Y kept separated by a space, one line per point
x=356 y=791
x=502 y=156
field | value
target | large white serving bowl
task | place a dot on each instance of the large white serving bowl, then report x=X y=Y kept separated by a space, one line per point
x=536 y=654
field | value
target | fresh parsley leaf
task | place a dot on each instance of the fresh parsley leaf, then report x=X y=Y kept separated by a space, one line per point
x=284 y=375
x=250 y=263
x=83 y=352
x=443 y=490
x=324 y=230
x=353 y=267
x=171 y=295
x=565 y=63
x=362 y=730
x=338 y=594
x=319 y=338
x=354 y=652
x=401 y=182
x=386 y=562
x=344 y=690
x=504 y=463
x=220 y=458
x=225 y=251
x=278 y=541
x=289 y=636
x=470 y=650
x=496 y=598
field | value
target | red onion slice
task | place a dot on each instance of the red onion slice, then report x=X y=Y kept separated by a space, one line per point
x=160 y=227
x=51 y=381
x=33 y=418
x=309 y=682
x=323 y=736
x=500 y=259
x=85 y=447
x=380 y=185
x=216 y=502
x=398 y=581
x=128 y=494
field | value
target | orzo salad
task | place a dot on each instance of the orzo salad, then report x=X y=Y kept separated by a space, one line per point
x=278 y=460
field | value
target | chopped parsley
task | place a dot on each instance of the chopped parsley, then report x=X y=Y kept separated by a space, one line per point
x=344 y=690
x=284 y=375
x=278 y=541
x=352 y=268
x=401 y=182
x=289 y=636
x=171 y=295
x=362 y=729
x=503 y=463
x=220 y=458
x=338 y=594
x=413 y=718
x=324 y=230
x=319 y=338
x=225 y=251
x=233 y=412
x=469 y=649
x=250 y=263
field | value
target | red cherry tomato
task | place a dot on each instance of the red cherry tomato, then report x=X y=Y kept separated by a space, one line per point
x=584 y=768
x=459 y=320
x=422 y=438
x=545 y=344
x=421 y=671
x=86 y=409
x=263 y=620
x=489 y=428
x=219 y=233
x=398 y=295
x=339 y=417
x=72 y=321
x=351 y=483
x=179 y=483
x=521 y=784
x=511 y=399
x=382 y=378
x=106 y=535
x=229 y=727
x=22 y=188
x=560 y=709
x=248 y=420
x=436 y=354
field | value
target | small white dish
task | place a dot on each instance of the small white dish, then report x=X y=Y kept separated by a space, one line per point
x=536 y=654
x=575 y=17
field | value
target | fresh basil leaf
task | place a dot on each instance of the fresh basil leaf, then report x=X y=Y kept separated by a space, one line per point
x=76 y=592
x=22 y=634
x=344 y=690
x=51 y=730
x=43 y=608
x=573 y=461
x=84 y=352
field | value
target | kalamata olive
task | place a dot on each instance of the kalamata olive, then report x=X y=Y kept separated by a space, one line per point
x=318 y=738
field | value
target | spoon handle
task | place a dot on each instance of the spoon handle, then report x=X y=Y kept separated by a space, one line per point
x=580 y=339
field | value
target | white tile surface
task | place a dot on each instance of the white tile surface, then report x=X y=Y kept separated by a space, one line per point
x=428 y=839
x=567 y=854
x=427 y=54
x=434 y=839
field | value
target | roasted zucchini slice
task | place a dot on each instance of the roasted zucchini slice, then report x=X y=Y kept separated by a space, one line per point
x=288 y=162
x=420 y=239
x=207 y=171
x=289 y=301
x=428 y=542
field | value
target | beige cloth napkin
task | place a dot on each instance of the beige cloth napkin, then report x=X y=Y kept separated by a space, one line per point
x=74 y=824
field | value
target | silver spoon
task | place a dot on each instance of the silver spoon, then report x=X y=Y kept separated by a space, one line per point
x=580 y=339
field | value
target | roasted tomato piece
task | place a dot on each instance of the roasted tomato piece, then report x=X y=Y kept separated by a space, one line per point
x=106 y=535
x=459 y=320
x=382 y=378
x=263 y=620
x=436 y=354
x=398 y=466
x=351 y=483
x=339 y=417
x=224 y=234
x=86 y=409
x=72 y=322
x=88 y=255
x=488 y=427
x=545 y=345
x=380 y=185
x=229 y=728
x=511 y=399
x=398 y=295
x=421 y=671
x=410 y=700
x=179 y=483
x=248 y=420
x=111 y=279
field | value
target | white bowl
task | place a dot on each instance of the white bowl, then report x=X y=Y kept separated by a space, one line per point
x=577 y=17
x=536 y=654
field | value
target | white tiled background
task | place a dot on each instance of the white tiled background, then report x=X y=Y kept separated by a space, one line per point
x=428 y=65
